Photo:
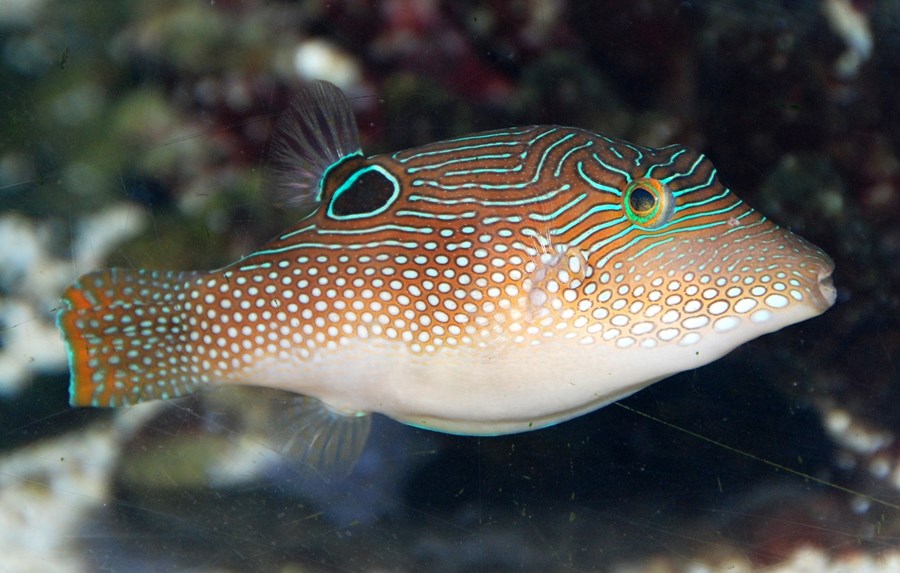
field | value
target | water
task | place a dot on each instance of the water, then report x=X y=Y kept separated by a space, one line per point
x=135 y=135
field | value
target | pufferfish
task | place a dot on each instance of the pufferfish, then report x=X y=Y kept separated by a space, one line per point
x=494 y=283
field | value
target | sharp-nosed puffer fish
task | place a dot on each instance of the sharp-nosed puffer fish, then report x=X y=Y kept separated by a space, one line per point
x=489 y=284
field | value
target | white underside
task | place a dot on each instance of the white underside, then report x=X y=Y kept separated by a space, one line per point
x=499 y=389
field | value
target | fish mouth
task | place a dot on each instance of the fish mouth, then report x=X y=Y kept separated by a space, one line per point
x=820 y=267
x=827 y=293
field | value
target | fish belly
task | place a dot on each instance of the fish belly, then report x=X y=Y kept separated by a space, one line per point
x=498 y=389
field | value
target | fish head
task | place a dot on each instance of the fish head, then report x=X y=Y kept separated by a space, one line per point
x=689 y=262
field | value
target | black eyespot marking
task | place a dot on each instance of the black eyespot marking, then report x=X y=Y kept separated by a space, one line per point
x=642 y=201
x=366 y=192
x=370 y=191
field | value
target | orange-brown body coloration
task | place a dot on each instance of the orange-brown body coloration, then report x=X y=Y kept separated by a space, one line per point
x=489 y=284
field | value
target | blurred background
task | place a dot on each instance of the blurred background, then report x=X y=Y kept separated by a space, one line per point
x=136 y=134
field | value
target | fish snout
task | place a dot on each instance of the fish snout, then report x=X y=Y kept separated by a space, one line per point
x=803 y=275
x=813 y=263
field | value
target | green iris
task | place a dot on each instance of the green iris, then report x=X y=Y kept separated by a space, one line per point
x=647 y=202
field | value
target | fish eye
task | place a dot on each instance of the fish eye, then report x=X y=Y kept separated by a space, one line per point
x=642 y=202
x=648 y=203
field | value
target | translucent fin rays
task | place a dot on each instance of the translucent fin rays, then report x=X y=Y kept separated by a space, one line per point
x=314 y=134
x=318 y=439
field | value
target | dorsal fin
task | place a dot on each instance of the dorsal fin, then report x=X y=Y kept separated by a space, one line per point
x=315 y=133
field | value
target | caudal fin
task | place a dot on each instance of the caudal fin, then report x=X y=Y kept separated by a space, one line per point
x=127 y=338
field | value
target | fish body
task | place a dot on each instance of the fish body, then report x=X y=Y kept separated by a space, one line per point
x=493 y=283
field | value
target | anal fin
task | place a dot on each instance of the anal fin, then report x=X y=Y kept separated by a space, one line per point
x=319 y=439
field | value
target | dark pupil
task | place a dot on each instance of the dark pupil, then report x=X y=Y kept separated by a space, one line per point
x=642 y=201
x=368 y=193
